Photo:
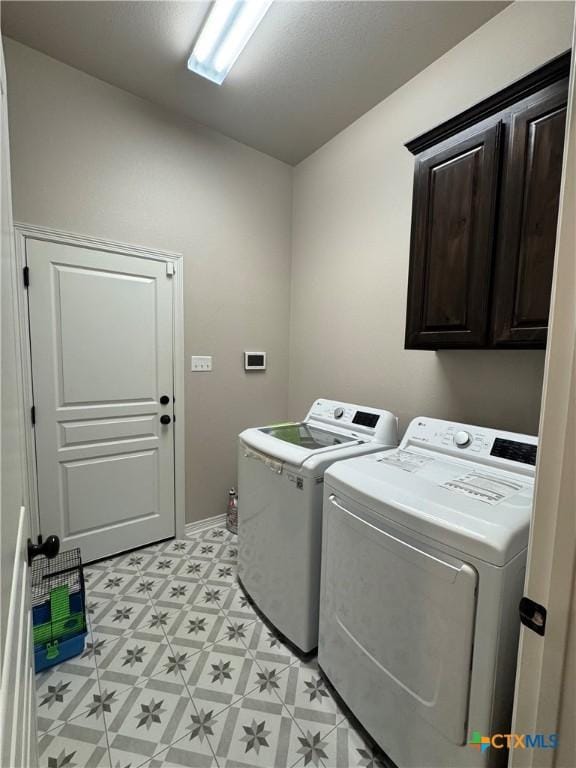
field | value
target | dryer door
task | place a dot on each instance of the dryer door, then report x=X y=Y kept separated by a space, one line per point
x=400 y=615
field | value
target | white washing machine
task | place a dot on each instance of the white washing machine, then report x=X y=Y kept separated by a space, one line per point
x=280 y=476
x=423 y=561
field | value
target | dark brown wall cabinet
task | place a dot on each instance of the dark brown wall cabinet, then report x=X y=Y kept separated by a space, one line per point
x=484 y=216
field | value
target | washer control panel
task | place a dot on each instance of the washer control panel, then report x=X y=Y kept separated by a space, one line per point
x=332 y=411
x=514 y=451
x=359 y=420
x=464 y=439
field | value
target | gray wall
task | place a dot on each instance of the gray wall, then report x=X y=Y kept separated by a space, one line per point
x=92 y=159
x=351 y=236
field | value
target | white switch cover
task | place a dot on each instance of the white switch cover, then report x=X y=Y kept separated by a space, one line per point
x=201 y=363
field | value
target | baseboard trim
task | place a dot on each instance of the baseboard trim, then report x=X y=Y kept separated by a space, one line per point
x=204 y=525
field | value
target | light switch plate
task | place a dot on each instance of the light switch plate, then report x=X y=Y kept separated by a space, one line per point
x=201 y=363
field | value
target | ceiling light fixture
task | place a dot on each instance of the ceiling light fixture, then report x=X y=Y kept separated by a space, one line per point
x=229 y=26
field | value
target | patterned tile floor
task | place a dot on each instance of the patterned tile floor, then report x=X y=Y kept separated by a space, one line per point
x=179 y=671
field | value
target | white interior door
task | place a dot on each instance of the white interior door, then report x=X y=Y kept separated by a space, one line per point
x=101 y=332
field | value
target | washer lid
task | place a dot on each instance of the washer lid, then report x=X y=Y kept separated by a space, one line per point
x=306 y=435
x=295 y=443
x=476 y=510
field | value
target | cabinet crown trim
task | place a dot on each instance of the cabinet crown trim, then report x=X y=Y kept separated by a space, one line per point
x=554 y=70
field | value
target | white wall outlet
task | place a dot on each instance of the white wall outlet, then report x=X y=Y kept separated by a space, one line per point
x=201 y=363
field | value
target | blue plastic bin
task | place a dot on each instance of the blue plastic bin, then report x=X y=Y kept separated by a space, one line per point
x=64 y=649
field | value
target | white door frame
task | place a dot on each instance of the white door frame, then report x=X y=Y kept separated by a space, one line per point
x=18 y=732
x=542 y=682
x=23 y=232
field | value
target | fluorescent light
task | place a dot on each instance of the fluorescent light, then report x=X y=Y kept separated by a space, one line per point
x=229 y=26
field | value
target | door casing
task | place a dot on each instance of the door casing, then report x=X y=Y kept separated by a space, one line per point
x=23 y=232
x=544 y=698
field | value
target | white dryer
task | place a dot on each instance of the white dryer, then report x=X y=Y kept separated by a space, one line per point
x=280 y=476
x=423 y=560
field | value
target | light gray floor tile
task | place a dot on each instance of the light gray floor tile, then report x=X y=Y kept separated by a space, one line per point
x=118 y=614
x=161 y=565
x=219 y=676
x=132 y=561
x=180 y=671
x=194 y=749
x=148 y=583
x=146 y=719
x=64 y=691
x=215 y=596
x=266 y=647
x=229 y=555
x=221 y=573
x=177 y=592
x=177 y=548
x=131 y=660
x=107 y=583
x=237 y=605
x=344 y=748
x=195 y=627
x=308 y=699
x=215 y=550
x=270 y=683
x=246 y=737
x=194 y=566
x=79 y=742
x=218 y=534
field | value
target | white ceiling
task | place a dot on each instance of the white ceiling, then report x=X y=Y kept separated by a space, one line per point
x=310 y=69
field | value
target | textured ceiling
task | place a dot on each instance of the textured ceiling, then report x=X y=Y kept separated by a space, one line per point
x=310 y=69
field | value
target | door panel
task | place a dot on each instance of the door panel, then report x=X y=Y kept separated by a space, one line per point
x=531 y=193
x=106 y=317
x=109 y=491
x=452 y=212
x=101 y=340
x=452 y=241
x=102 y=430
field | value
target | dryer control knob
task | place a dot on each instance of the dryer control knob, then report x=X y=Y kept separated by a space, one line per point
x=338 y=413
x=462 y=439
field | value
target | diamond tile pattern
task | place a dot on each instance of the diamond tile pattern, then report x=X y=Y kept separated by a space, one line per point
x=180 y=671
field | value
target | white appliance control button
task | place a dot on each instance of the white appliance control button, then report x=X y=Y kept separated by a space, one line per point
x=462 y=439
x=338 y=413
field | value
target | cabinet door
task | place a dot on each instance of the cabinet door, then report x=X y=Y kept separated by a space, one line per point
x=452 y=241
x=529 y=214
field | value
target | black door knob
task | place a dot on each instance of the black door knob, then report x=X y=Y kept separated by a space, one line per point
x=164 y=400
x=165 y=419
x=49 y=548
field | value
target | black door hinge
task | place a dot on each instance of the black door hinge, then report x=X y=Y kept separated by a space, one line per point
x=33 y=414
x=533 y=615
x=26 y=273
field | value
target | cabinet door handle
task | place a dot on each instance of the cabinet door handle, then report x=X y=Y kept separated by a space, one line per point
x=165 y=419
